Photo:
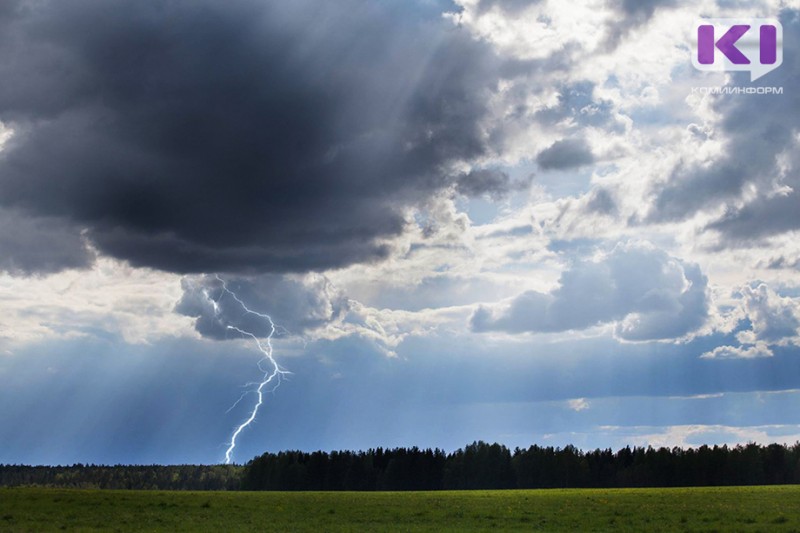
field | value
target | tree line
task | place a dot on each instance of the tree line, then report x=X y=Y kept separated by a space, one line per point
x=493 y=466
x=477 y=466
x=149 y=477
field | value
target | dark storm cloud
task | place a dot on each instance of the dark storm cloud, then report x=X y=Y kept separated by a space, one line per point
x=761 y=139
x=39 y=245
x=197 y=136
x=566 y=153
x=296 y=306
x=648 y=294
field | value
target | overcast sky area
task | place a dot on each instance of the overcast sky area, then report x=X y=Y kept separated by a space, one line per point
x=500 y=220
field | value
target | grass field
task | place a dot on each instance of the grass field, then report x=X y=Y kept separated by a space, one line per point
x=767 y=509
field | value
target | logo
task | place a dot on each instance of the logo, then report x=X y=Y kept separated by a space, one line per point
x=754 y=45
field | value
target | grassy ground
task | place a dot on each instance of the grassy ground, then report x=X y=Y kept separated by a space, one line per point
x=767 y=509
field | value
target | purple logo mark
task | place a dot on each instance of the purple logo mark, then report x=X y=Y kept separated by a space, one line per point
x=754 y=45
x=726 y=44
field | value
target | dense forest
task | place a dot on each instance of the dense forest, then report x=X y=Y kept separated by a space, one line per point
x=153 y=477
x=477 y=466
x=493 y=466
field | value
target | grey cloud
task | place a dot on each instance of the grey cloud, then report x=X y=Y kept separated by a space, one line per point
x=488 y=182
x=642 y=8
x=760 y=131
x=762 y=217
x=678 y=312
x=784 y=262
x=294 y=305
x=633 y=13
x=244 y=136
x=39 y=245
x=564 y=154
x=512 y=7
x=527 y=312
x=646 y=293
x=601 y=201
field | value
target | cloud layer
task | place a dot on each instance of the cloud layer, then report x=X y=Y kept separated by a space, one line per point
x=39 y=245
x=296 y=305
x=193 y=136
x=647 y=294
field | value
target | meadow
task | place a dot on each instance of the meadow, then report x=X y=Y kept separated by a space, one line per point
x=722 y=509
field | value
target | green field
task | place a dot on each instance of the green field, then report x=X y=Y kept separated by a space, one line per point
x=725 y=509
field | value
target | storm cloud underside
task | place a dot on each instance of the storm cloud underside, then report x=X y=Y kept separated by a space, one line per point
x=251 y=136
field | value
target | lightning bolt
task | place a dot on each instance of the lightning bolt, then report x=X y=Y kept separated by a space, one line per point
x=274 y=373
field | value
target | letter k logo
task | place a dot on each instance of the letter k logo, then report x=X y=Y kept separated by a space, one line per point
x=726 y=44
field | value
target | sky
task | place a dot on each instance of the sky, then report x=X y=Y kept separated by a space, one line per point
x=524 y=222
